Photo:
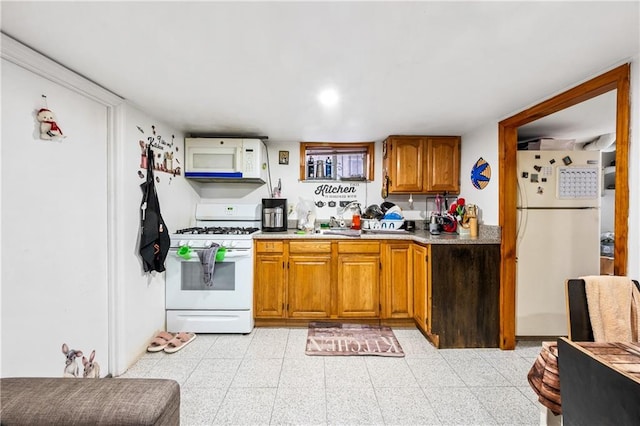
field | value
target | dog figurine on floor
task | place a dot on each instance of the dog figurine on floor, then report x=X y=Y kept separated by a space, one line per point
x=91 y=368
x=71 y=368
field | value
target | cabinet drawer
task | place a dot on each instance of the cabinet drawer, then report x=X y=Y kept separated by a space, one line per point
x=309 y=247
x=269 y=246
x=358 y=247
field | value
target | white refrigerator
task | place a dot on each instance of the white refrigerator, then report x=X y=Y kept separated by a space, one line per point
x=558 y=234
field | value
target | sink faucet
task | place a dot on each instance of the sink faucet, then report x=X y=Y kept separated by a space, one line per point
x=352 y=205
x=333 y=222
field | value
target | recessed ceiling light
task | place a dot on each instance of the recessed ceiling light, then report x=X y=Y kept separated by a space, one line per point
x=328 y=97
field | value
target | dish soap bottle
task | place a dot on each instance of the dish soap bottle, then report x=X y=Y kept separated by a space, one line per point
x=327 y=168
x=310 y=168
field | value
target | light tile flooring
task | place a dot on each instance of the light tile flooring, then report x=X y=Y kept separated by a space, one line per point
x=264 y=378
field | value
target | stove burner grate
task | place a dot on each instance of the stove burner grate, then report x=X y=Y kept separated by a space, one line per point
x=188 y=231
x=219 y=230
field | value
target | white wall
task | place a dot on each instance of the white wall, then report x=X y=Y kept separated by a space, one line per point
x=142 y=294
x=481 y=143
x=54 y=227
x=607 y=205
x=607 y=210
x=292 y=188
x=70 y=223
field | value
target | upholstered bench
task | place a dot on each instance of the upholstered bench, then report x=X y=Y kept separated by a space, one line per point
x=68 y=401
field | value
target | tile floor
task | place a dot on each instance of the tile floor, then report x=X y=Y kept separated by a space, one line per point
x=264 y=378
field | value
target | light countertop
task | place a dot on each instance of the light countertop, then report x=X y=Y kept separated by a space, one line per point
x=486 y=235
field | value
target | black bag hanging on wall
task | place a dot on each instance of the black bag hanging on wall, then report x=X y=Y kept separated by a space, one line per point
x=154 y=235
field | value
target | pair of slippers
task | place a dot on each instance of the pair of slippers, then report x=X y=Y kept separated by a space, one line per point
x=170 y=342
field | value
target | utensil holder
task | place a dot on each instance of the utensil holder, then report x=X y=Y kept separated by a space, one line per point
x=473 y=227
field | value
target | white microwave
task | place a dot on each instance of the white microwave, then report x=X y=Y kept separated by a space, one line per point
x=222 y=158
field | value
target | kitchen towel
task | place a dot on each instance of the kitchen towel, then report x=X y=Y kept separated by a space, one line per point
x=614 y=304
x=208 y=260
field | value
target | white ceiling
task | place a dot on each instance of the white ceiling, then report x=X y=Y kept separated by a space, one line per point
x=400 y=68
x=582 y=122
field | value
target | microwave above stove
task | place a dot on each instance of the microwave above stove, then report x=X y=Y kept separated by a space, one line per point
x=223 y=159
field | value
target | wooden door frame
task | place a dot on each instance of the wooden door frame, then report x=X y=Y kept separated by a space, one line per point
x=616 y=79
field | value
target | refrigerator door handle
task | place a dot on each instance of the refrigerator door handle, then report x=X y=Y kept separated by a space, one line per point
x=521 y=195
x=521 y=224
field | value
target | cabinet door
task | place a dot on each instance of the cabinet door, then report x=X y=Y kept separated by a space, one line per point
x=442 y=165
x=358 y=285
x=269 y=284
x=405 y=165
x=309 y=286
x=465 y=295
x=429 y=280
x=420 y=259
x=398 y=281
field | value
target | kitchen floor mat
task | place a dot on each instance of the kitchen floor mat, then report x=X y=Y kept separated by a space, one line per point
x=335 y=339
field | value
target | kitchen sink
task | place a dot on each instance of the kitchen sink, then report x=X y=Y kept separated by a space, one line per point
x=347 y=232
x=387 y=231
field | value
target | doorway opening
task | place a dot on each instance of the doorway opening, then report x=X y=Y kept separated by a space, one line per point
x=616 y=79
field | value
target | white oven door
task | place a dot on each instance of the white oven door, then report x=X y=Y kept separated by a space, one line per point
x=231 y=287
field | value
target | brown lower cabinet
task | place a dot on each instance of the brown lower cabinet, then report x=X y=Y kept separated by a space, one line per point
x=309 y=279
x=421 y=288
x=316 y=279
x=464 y=295
x=450 y=291
x=397 y=267
x=269 y=279
x=358 y=279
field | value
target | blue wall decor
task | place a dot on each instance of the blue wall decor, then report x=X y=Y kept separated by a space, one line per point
x=480 y=174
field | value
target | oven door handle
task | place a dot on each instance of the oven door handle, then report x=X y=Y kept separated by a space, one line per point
x=229 y=254
x=237 y=253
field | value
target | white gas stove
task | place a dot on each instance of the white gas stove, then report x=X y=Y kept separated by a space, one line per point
x=224 y=224
x=213 y=297
x=226 y=236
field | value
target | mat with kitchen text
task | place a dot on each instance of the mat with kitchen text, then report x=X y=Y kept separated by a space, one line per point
x=335 y=339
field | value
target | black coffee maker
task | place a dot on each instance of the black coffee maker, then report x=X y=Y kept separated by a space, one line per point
x=274 y=214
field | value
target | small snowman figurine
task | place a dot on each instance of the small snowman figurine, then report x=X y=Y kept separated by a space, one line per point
x=48 y=127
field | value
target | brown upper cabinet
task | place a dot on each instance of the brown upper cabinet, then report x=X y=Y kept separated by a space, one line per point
x=421 y=164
